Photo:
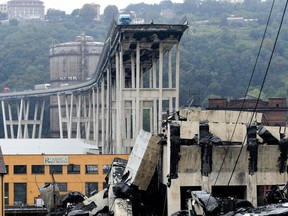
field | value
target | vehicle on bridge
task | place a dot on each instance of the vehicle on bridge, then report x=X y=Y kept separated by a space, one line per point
x=42 y=86
x=6 y=90
x=124 y=19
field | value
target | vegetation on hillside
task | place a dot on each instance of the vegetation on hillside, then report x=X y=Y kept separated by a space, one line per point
x=217 y=54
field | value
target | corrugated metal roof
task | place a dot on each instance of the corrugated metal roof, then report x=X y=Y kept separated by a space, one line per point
x=48 y=146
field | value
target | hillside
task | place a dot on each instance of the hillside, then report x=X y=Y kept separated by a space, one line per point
x=218 y=51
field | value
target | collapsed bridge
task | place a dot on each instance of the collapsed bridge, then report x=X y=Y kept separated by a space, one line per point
x=109 y=108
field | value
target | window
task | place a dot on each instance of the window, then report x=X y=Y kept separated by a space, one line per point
x=91 y=169
x=7 y=169
x=91 y=188
x=20 y=193
x=6 y=188
x=62 y=186
x=106 y=168
x=19 y=169
x=55 y=169
x=37 y=169
x=73 y=169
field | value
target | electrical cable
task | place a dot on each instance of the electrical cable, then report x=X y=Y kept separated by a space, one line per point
x=244 y=100
x=264 y=79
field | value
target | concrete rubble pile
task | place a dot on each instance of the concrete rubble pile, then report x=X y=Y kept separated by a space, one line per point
x=127 y=184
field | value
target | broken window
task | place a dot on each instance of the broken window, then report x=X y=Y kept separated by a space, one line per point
x=106 y=168
x=237 y=191
x=91 y=188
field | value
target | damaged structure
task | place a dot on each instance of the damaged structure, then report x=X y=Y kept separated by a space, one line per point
x=228 y=158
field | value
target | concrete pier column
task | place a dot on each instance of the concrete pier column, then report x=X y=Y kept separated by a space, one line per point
x=109 y=110
x=114 y=115
x=4 y=120
x=19 y=115
x=35 y=119
x=26 y=109
x=160 y=85
x=60 y=117
x=117 y=95
x=11 y=121
x=121 y=108
x=170 y=82
x=104 y=150
x=78 y=113
x=41 y=119
x=177 y=78
x=97 y=115
x=132 y=70
x=137 y=99
x=252 y=189
x=94 y=114
x=154 y=72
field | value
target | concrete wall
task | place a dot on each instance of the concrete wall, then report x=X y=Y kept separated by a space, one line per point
x=190 y=171
x=230 y=163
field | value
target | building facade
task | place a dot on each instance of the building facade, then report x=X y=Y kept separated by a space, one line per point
x=96 y=8
x=26 y=10
x=3 y=8
x=237 y=166
x=26 y=173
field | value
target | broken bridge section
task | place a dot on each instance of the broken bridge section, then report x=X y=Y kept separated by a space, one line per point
x=127 y=93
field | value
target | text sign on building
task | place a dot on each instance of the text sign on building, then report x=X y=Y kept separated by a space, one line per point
x=56 y=160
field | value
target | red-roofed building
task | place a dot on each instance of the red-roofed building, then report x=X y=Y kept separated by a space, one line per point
x=274 y=110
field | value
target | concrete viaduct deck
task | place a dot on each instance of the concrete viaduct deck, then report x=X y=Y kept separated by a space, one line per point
x=127 y=92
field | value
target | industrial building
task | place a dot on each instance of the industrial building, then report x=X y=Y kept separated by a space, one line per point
x=74 y=62
x=73 y=165
x=274 y=110
x=71 y=63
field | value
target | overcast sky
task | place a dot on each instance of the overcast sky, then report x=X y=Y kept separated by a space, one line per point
x=69 y=5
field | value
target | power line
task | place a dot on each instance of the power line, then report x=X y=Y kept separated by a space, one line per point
x=244 y=100
x=265 y=76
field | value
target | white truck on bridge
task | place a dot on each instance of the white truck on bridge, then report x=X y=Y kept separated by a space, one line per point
x=42 y=86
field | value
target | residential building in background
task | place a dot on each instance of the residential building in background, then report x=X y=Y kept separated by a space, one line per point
x=26 y=10
x=3 y=8
x=274 y=110
x=96 y=7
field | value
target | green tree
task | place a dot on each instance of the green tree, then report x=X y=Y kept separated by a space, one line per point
x=75 y=13
x=3 y=16
x=110 y=13
x=55 y=15
x=87 y=13
x=13 y=22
